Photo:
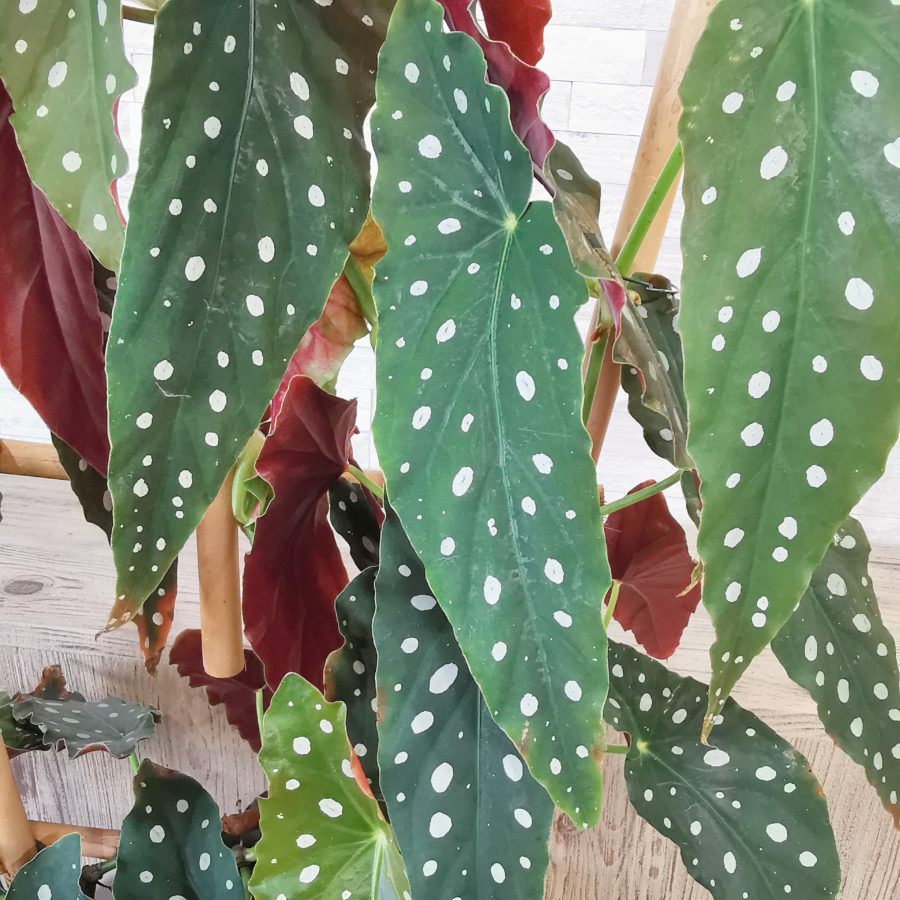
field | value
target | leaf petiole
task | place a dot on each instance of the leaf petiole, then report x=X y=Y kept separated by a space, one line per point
x=365 y=481
x=611 y=606
x=259 y=711
x=135 y=763
x=617 y=749
x=637 y=496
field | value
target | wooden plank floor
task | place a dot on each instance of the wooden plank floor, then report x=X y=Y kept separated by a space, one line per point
x=56 y=584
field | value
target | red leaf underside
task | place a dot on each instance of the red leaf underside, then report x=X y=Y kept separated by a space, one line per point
x=519 y=23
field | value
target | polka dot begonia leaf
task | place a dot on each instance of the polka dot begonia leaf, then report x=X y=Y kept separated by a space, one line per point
x=322 y=836
x=479 y=400
x=746 y=812
x=84 y=726
x=51 y=875
x=350 y=671
x=837 y=647
x=19 y=737
x=470 y=819
x=355 y=516
x=154 y=622
x=64 y=66
x=253 y=181
x=791 y=133
x=171 y=843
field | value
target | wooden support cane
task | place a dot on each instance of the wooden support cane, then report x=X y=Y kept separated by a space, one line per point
x=221 y=625
x=16 y=841
x=659 y=137
x=29 y=458
x=96 y=843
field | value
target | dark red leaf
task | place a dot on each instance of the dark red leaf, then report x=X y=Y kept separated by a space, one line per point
x=154 y=621
x=51 y=333
x=648 y=554
x=524 y=85
x=294 y=571
x=237 y=694
x=519 y=23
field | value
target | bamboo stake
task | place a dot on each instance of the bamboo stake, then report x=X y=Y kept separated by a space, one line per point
x=30 y=458
x=96 y=843
x=16 y=841
x=218 y=567
x=659 y=136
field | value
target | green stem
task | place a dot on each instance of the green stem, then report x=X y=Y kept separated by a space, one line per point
x=109 y=864
x=259 y=711
x=637 y=496
x=611 y=606
x=364 y=480
x=651 y=208
x=135 y=763
x=245 y=882
x=592 y=375
x=620 y=749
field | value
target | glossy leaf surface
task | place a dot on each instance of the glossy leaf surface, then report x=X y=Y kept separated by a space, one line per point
x=790 y=131
x=836 y=646
x=745 y=811
x=53 y=873
x=470 y=819
x=65 y=70
x=171 y=843
x=648 y=554
x=350 y=671
x=19 y=737
x=322 y=835
x=251 y=151
x=85 y=726
x=236 y=694
x=51 y=335
x=294 y=571
x=356 y=516
x=490 y=433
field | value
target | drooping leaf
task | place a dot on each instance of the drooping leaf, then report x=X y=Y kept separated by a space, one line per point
x=294 y=571
x=236 y=694
x=746 y=812
x=253 y=180
x=788 y=305
x=171 y=843
x=524 y=85
x=50 y=330
x=350 y=671
x=837 y=647
x=648 y=555
x=491 y=435
x=86 y=726
x=322 y=835
x=343 y=321
x=665 y=427
x=52 y=686
x=52 y=873
x=154 y=622
x=356 y=516
x=65 y=70
x=470 y=819
x=19 y=737
x=519 y=23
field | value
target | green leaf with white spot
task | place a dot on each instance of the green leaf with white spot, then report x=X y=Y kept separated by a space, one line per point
x=18 y=736
x=350 y=670
x=791 y=133
x=64 y=66
x=746 y=811
x=322 y=836
x=469 y=817
x=171 y=843
x=53 y=873
x=837 y=647
x=253 y=181
x=480 y=400
x=85 y=726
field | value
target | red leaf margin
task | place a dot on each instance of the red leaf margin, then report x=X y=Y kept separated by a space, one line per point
x=648 y=555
